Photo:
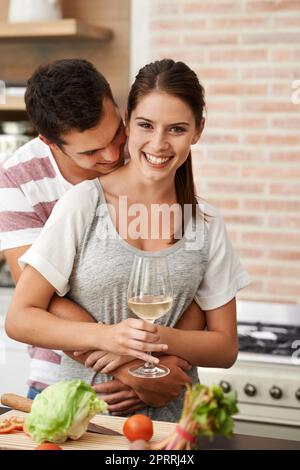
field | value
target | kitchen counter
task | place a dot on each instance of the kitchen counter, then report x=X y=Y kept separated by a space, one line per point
x=238 y=442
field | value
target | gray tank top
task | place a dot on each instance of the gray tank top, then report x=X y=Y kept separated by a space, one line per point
x=99 y=282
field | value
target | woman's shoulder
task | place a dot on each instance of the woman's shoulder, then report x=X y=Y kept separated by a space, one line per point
x=82 y=196
x=210 y=212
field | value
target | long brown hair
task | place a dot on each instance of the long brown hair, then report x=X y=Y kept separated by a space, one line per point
x=177 y=79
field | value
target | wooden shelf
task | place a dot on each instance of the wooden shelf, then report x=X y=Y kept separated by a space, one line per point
x=13 y=103
x=65 y=28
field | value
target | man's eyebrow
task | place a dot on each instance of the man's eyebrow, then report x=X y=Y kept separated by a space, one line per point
x=102 y=148
x=172 y=124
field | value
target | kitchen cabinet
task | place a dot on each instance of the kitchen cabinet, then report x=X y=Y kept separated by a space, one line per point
x=68 y=27
x=96 y=30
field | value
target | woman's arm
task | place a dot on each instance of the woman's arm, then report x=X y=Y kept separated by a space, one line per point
x=28 y=321
x=215 y=347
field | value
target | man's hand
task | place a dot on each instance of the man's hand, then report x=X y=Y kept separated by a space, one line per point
x=159 y=392
x=121 y=399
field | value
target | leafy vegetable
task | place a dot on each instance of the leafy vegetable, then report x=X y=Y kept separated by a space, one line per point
x=63 y=410
x=206 y=411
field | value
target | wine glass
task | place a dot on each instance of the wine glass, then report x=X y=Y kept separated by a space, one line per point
x=150 y=297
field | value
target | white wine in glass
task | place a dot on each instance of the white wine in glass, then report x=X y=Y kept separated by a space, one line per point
x=150 y=297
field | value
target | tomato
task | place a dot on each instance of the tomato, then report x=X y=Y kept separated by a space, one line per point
x=138 y=427
x=6 y=426
x=48 y=446
x=17 y=422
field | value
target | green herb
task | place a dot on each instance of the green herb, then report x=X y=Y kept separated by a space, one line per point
x=206 y=411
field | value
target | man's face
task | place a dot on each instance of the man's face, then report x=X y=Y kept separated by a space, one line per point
x=101 y=147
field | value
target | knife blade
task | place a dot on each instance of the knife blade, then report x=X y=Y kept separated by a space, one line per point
x=20 y=403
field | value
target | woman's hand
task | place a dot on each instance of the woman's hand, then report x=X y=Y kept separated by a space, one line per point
x=131 y=337
x=103 y=361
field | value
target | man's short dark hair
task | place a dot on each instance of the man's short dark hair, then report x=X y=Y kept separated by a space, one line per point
x=66 y=95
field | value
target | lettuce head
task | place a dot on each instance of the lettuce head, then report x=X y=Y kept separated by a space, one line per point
x=63 y=410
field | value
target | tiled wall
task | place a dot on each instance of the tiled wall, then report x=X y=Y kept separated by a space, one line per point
x=247 y=55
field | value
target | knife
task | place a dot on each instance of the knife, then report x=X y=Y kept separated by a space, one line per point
x=24 y=404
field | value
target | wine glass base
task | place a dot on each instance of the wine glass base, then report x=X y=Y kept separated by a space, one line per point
x=149 y=373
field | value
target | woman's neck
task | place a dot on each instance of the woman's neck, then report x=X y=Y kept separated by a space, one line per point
x=129 y=183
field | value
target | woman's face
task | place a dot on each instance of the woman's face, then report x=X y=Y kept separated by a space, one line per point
x=161 y=131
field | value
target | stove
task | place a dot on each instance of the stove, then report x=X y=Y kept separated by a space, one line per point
x=266 y=375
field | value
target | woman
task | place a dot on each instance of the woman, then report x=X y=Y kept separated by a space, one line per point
x=86 y=249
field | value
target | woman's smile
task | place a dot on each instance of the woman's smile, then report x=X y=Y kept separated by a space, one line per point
x=156 y=162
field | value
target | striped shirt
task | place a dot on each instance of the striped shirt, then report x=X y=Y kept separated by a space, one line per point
x=30 y=185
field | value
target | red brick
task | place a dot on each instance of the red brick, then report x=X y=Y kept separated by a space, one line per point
x=239 y=22
x=219 y=106
x=284 y=271
x=269 y=106
x=271 y=172
x=285 y=289
x=286 y=123
x=220 y=170
x=291 y=189
x=272 y=5
x=164 y=9
x=287 y=21
x=207 y=39
x=285 y=55
x=223 y=203
x=238 y=89
x=289 y=72
x=219 y=73
x=239 y=55
x=243 y=219
x=245 y=252
x=236 y=155
x=256 y=270
x=178 y=25
x=270 y=238
x=234 y=187
x=284 y=157
x=270 y=205
x=270 y=38
x=177 y=53
x=242 y=122
x=255 y=286
x=272 y=139
x=285 y=255
x=216 y=139
x=165 y=40
x=281 y=89
x=211 y=7
x=287 y=222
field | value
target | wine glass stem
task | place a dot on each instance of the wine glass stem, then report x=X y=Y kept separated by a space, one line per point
x=148 y=364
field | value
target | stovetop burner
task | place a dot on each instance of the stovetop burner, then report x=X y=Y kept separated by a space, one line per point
x=267 y=338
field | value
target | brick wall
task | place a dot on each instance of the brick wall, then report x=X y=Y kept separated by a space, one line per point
x=247 y=55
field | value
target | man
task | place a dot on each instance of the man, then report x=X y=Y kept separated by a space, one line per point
x=81 y=136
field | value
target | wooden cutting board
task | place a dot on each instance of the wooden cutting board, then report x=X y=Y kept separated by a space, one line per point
x=89 y=441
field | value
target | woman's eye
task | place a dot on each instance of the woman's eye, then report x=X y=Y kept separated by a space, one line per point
x=177 y=130
x=144 y=125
